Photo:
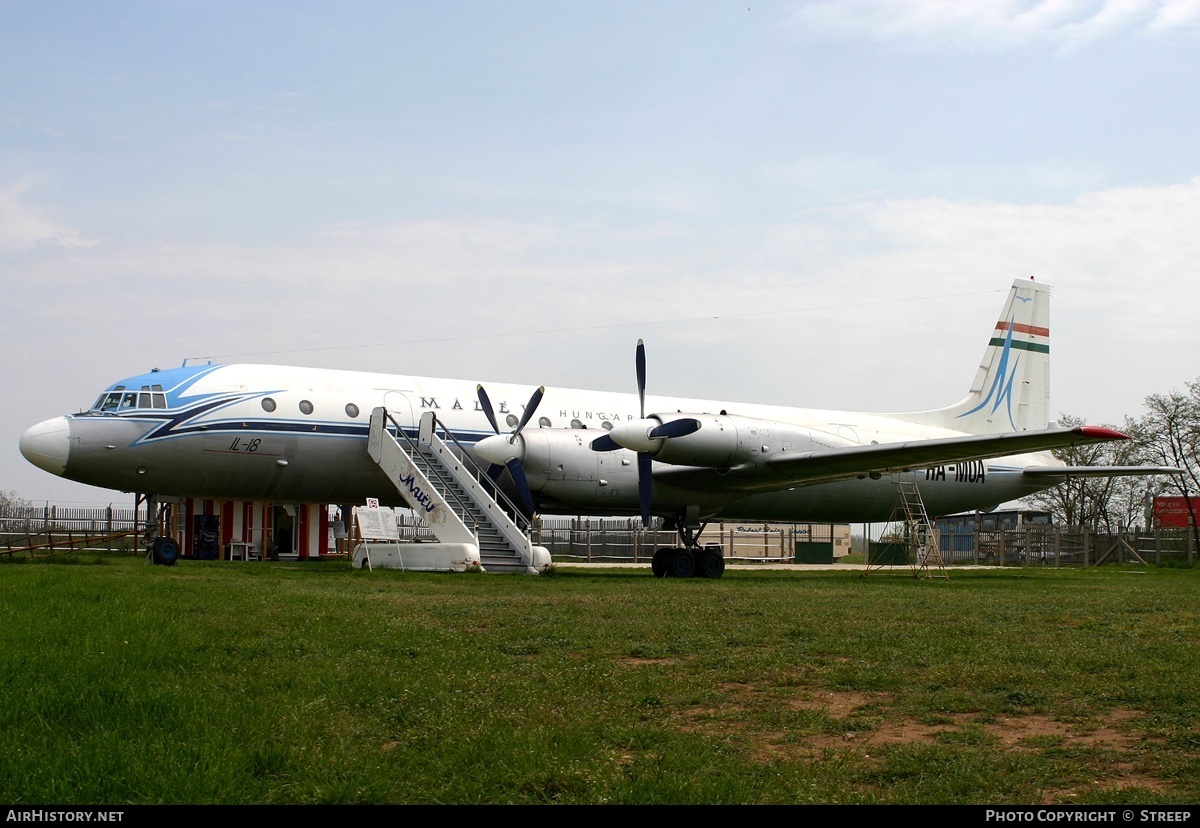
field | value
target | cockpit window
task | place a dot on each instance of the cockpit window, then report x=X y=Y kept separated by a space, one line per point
x=118 y=399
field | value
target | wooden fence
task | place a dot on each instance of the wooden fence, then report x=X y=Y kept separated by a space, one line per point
x=53 y=529
x=57 y=528
x=1069 y=546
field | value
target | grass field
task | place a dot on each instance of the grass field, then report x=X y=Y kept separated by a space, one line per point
x=296 y=683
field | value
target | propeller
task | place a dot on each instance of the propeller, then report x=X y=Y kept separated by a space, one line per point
x=643 y=436
x=505 y=451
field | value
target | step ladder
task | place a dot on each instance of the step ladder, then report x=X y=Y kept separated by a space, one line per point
x=452 y=495
x=924 y=550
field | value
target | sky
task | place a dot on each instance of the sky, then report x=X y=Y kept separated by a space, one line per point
x=817 y=203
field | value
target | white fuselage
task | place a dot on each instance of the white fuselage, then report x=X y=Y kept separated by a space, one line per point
x=284 y=434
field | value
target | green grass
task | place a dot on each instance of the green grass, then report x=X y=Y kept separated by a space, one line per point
x=278 y=683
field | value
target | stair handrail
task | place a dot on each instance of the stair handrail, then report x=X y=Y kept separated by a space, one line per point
x=515 y=513
x=433 y=467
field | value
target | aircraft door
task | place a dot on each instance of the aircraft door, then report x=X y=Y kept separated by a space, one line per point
x=399 y=405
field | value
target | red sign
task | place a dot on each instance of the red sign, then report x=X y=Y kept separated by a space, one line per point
x=1172 y=512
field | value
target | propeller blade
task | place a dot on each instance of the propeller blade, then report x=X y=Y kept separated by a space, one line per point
x=522 y=484
x=645 y=481
x=605 y=443
x=486 y=405
x=534 y=402
x=676 y=428
x=493 y=475
x=640 y=362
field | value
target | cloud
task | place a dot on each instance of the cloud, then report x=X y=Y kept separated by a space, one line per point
x=818 y=301
x=24 y=228
x=1000 y=24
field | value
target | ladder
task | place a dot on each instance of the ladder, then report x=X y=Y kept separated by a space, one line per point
x=452 y=495
x=921 y=538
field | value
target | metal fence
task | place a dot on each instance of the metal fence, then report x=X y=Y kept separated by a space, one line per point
x=623 y=540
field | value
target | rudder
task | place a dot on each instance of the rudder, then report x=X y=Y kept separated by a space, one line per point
x=1011 y=391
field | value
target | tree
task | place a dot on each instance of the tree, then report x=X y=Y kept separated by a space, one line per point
x=1168 y=436
x=13 y=511
x=1102 y=504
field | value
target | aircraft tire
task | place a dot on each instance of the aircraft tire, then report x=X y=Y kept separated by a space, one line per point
x=711 y=564
x=165 y=551
x=660 y=564
x=683 y=563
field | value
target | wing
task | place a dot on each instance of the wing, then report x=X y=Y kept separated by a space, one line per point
x=807 y=468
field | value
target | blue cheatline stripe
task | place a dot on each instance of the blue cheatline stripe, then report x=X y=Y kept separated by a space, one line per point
x=175 y=426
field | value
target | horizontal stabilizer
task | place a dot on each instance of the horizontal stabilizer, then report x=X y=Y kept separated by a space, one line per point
x=1100 y=471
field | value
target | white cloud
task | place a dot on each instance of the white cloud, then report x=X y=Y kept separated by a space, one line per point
x=23 y=228
x=803 y=312
x=1125 y=264
x=1065 y=23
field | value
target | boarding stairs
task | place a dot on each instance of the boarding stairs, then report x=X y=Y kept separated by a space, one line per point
x=924 y=549
x=452 y=495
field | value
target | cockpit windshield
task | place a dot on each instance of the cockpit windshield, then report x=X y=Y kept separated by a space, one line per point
x=122 y=399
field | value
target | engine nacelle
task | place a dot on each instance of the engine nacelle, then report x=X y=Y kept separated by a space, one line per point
x=560 y=464
x=727 y=440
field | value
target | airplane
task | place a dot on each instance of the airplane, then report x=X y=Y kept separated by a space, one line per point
x=299 y=435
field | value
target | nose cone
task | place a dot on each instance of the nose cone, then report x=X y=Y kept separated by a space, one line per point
x=47 y=444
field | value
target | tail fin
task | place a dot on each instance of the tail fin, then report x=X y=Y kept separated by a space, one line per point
x=1011 y=391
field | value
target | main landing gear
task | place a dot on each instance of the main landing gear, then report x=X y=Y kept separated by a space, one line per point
x=688 y=560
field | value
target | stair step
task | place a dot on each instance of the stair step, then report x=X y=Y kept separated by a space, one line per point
x=440 y=465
